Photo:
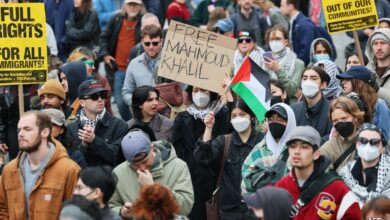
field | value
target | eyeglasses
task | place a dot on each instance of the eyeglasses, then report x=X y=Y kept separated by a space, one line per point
x=96 y=96
x=91 y=63
x=247 y=40
x=373 y=141
x=154 y=43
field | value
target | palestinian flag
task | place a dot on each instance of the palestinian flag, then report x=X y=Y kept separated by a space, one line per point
x=251 y=83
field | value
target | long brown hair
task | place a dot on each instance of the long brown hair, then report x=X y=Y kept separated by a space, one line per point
x=368 y=95
x=155 y=202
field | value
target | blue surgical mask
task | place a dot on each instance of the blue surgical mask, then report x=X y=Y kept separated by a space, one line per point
x=319 y=57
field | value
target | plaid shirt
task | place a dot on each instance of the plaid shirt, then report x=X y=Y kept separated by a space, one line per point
x=258 y=158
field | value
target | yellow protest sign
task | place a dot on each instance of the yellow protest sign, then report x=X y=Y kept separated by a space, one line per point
x=23 y=50
x=348 y=15
x=196 y=57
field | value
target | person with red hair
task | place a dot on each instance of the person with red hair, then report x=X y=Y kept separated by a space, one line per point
x=156 y=202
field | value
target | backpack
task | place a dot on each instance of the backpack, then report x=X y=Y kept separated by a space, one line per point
x=269 y=175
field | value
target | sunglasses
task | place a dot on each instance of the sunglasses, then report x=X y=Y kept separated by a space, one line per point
x=96 y=96
x=218 y=30
x=91 y=63
x=247 y=40
x=373 y=142
x=154 y=43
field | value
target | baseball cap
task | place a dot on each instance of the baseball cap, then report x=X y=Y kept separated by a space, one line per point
x=134 y=1
x=307 y=134
x=247 y=33
x=357 y=72
x=134 y=143
x=52 y=87
x=57 y=116
x=277 y=109
x=226 y=25
x=89 y=87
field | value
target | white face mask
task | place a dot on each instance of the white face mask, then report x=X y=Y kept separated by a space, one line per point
x=310 y=88
x=368 y=153
x=240 y=124
x=200 y=99
x=276 y=46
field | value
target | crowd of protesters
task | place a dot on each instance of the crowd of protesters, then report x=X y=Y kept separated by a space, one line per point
x=121 y=142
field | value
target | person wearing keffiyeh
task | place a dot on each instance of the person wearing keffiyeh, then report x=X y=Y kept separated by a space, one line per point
x=333 y=89
x=96 y=132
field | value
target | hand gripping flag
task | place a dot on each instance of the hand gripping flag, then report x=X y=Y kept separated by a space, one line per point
x=251 y=83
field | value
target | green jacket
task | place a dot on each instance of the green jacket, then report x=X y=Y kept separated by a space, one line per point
x=167 y=170
x=293 y=84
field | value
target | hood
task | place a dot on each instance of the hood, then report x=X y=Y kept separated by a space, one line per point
x=277 y=148
x=331 y=55
x=165 y=153
x=333 y=89
x=320 y=166
x=76 y=73
x=369 y=51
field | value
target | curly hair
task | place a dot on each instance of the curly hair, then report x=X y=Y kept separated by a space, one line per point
x=155 y=202
x=368 y=96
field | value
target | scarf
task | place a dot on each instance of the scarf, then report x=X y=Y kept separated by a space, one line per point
x=333 y=89
x=86 y=121
x=286 y=59
x=383 y=179
x=214 y=106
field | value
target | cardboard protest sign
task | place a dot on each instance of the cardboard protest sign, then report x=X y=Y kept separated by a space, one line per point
x=196 y=57
x=23 y=50
x=348 y=15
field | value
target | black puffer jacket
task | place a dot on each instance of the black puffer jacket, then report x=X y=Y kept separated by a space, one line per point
x=210 y=154
x=82 y=29
x=109 y=38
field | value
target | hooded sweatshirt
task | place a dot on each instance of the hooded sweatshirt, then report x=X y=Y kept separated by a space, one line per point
x=384 y=82
x=334 y=201
x=267 y=152
x=76 y=73
x=167 y=169
x=54 y=185
x=332 y=54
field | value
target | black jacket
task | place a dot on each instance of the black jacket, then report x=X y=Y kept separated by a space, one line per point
x=210 y=154
x=82 y=30
x=316 y=116
x=186 y=131
x=103 y=150
x=109 y=38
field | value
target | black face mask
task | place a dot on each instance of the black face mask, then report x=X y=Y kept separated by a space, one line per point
x=345 y=128
x=277 y=130
x=276 y=99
